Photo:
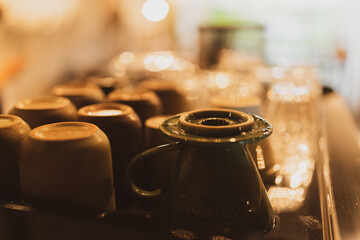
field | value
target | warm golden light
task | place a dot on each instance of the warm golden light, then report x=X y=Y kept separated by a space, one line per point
x=260 y=158
x=278 y=179
x=158 y=61
x=117 y=67
x=155 y=10
x=105 y=112
x=289 y=92
x=286 y=199
x=127 y=57
x=295 y=180
x=276 y=167
x=221 y=81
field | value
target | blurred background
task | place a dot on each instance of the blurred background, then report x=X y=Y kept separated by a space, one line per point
x=46 y=42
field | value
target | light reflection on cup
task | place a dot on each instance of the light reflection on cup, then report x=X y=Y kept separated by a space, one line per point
x=37 y=111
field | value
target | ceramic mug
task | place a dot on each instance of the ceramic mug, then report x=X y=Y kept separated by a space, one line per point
x=80 y=93
x=37 y=111
x=214 y=183
x=12 y=131
x=123 y=128
x=145 y=102
x=67 y=163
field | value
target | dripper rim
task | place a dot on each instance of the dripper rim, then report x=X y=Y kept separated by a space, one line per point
x=261 y=129
x=225 y=122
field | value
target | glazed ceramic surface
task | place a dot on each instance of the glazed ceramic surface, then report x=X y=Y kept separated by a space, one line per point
x=172 y=99
x=68 y=163
x=214 y=182
x=79 y=93
x=123 y=128
x=145 y=102
x=37 y=111
x=12 y=131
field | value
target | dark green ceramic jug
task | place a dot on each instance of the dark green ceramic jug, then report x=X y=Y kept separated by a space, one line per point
x=214 y=183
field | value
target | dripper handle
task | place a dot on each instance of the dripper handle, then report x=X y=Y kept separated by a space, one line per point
x=141 y=156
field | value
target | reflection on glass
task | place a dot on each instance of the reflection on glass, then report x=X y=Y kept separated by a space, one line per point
x=292 y=110
x=158 y=61
x=285 y=199
x=141 y=65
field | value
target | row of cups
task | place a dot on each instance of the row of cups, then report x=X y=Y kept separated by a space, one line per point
x=82 y=141
x=151 y=97
x=52 y=151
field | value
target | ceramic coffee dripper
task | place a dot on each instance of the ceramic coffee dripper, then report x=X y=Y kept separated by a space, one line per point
x=214 y=183
x=37 y=111
x=145 y=102
x=67 y=163
x=80 y=93
x=172 y=99
x=123 y=128
x=12 y=131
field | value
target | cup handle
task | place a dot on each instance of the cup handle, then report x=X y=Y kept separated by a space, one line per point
x=148 y=153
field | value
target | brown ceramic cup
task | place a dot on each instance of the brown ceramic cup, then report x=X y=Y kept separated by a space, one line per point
x=145 y=102
x=67 y=163
x=79 y=93
x=12 y=131
x=172 y=99
x=37 y=111
x=123 y=128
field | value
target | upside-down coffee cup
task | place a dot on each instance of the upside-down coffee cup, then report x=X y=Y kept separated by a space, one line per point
x=41 y=110
x=12 y=131
x=67 y=163
x=214 y=183
x=145 y=102
x=173 y=100
x=123 y=128
x=79 y=93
